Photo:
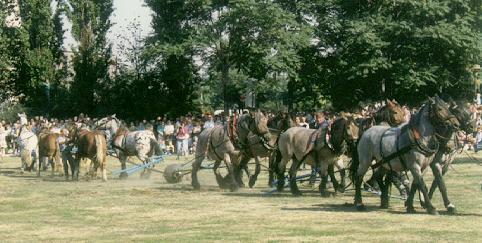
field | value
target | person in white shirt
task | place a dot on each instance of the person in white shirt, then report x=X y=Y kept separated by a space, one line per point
x=209 y=123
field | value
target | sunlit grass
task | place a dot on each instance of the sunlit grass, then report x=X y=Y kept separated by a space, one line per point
x=50 y=209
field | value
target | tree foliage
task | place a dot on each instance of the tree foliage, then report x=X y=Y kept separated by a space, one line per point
x=90 y=23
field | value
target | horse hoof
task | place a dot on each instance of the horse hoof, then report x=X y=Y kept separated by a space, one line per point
x=341 y=189
x=422 y=204
x=280 y=188
x=360 y=207
x=432 y=211
x=325 y=194
x=451 y=209
x=296 y=193
x=196 y=186
x=411 y=210
x=233 y=188
x=252 y=181
x=123 y=175
x=384 y=206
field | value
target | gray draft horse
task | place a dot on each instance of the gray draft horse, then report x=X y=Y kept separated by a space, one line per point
x=410 y=146
x=390 y=114
x=449 y=145
x=311 y=146
x=258 y=147
x=216 y=144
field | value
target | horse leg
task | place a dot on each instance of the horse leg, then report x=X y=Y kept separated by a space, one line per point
x=272 y=168
x=51 y=161
x=411 y=195
x=437 y=172
x=218 y=176
x=195 y=168
x=281 y=174
x=418 y=178
x=373 y=181
x=331 y=174
x=103 y=167
x=123 y=159
x=254 y=177
x=227 y=161
x=41 y=161
x=384 y=184
x=146 y=171
x=75 y=169
x=66 y=167
x=323 y=171
x=360 y=164
x=238 y=170
x=314 y=171
x=341 y=168
x=397 y=180
x=293 y=170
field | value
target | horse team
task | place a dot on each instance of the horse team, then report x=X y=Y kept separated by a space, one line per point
x=383 y=142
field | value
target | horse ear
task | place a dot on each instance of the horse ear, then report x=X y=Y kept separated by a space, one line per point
x=389 y=103
x=113 y=116
x=431 y=100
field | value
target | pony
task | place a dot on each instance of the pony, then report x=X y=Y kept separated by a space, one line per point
x=28 y=145
x=216 y=144
x=410 y=146
x=311 y=146
x=91 y=145
x=49 y=148
x=448 y=148
x=142 y=144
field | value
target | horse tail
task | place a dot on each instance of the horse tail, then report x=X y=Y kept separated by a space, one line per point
x=156 y=146
x=100 y=146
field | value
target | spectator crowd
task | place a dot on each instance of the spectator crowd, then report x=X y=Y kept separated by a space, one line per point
x=179 y=136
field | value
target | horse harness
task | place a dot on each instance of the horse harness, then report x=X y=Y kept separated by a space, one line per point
x=415 y=143
x=210 y=145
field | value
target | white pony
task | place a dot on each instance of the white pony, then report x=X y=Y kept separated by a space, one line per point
x=142 y=144
x=28 y=145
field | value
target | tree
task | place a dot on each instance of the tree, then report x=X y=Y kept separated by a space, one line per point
x=403 y=49
x=6 y=82
x=34 y=62
x=257 y=38
x=90 y=23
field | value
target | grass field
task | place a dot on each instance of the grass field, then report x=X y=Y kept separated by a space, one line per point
x=48 y=209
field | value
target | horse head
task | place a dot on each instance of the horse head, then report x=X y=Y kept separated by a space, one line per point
x=110 y=123
x=259 y=123
x=460 y=110
x=440 y=113
x=344 y=131
x=282 y=121
x=394 y=113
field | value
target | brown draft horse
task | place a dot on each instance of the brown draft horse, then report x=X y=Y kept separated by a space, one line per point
x=49 y=148
x=91 y=145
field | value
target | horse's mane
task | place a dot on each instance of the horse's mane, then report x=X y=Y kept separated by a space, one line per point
x=121 y=130
x=337 y=128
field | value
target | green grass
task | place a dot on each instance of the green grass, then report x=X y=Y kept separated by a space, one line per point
x=49 y=209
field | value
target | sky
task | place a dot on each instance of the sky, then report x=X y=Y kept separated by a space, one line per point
x=125 y=11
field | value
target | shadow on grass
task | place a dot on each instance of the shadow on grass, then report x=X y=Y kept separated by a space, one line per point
x=346 y=207
x=442 y=213
x=284 y=194
x=189 y=188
